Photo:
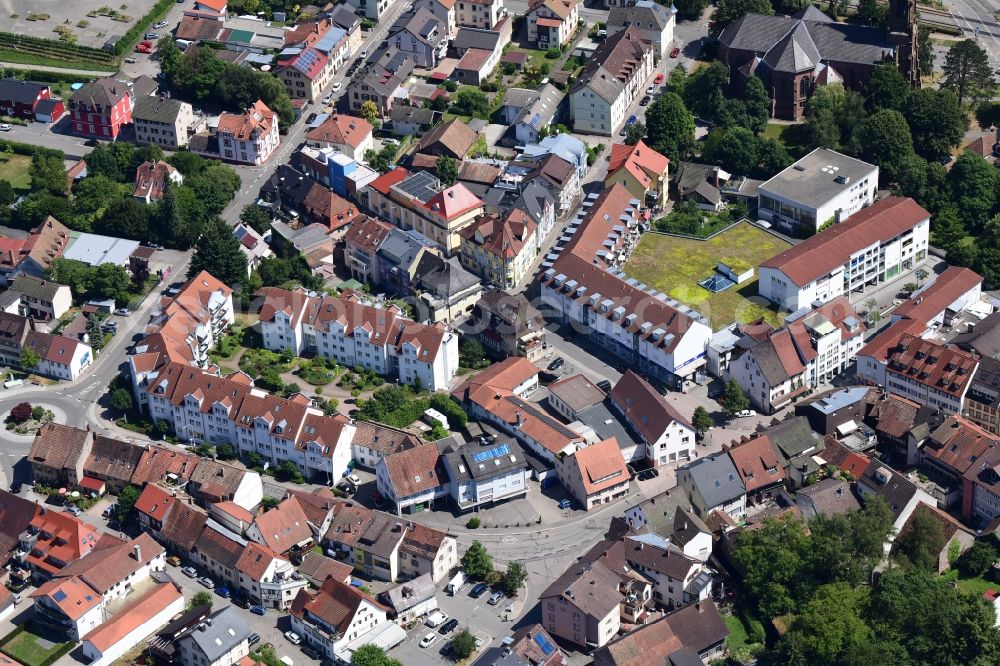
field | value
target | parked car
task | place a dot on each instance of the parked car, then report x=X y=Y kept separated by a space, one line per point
x=659 y=79
x=122 y=312
x=151 y=35
x=389 y=141
x=645 y=100
x=130 y=60
x=15 y=487
x=495 y=598
x=478 y=590
x=253 y=638
x=293 y=637
x=336 y=86
x=674 y=52
x=565 y=504
x=190 y=572
x=4 y=127
x=241 y=602
x=160 y=24
x=75 y=510
x=651 y=89
x=258 y=610
x=556 y=363
x=207 y=582
x=428 y=640
x=354 y=478
x=631 y=121
x=745 y=413
x=310 y=119
x=604 y=385
x=448 y=627
x=143 y=47
x=328 y=99
x=435 y=619
x=445 y=650
x=223 y=592
x=173 y=560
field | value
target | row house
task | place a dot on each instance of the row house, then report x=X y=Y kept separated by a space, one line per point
x=501 y=251
x=776 y=366
x=58 y=453
x=305 y=73
x=380 y=81
x=58 y=357
x=423 y=38
x=661 y=339
x=478 y=13
x=223 y=639
x=667 y=437
x=613 y=78
x=201 y=407
x=930 y=373
x=696 y=633
x=412 y=480
x=872 y=246
x=595 y=474
x=354 y=332
x=33 y=254
x=423 y=203
x=508 y=325
x=559 y=177
x=54 y=540
x=953 y=454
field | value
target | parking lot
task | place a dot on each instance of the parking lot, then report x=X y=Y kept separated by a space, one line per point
x=484 y=621
x=91 y=31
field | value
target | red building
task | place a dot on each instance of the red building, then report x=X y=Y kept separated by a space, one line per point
x=100 y=108
x=19 y=98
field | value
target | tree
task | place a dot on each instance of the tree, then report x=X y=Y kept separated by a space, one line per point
x=730 y=11
x=822 y=110
x=125 y=508
x=477 y=562
x=256 y=217
x=446 y=170
x=937 y=122
x=702 y=420
x=111 y=281
x=978 y=559
x=947 y=230
x=112 y=160
x=91 y=198
x=29 y=358
x=974 y=183
x=690 y=10
x=872 y=12
x=734 y=399
x=125 y=218
x=884 y=139
x=47 y=173
x=922 y=544
x=94 y=333
x=635 y=133
x=20 y=412
x=471 y=354
x=769 y=561
x=289 y=471
x=121 y=399
x=829 y=627
x=873 y=311
x=925 y=52
x=218 y=252
x=369 y=111
x=201 y=598
x=886 y=89
x=757 y=105
x=463 y=644
x=514 y=578
x=736 y=151
x=704 y=91
x=670 y=127
x=968 y=73
x=471 y=103
x=8 y=194
x=372 y=655
x=920 y=274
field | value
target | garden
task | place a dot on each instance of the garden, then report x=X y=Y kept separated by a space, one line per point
x=675 y=266
x=32 y=649
x=24 y=419
x=688 y=219
x=400 y=406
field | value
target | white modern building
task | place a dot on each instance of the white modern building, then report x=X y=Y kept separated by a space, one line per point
x=480 y=476
x=875 y=245
x=824 y=186
x=356 y=332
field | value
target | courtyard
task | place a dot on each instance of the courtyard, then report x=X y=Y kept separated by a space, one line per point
x=32 y=649
x=675 y=266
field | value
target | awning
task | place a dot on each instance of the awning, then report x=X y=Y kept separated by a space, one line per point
x=92 y=484
x=846 y=428
x=387 y=636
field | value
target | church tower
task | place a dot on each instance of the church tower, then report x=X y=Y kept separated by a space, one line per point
x=902 y=19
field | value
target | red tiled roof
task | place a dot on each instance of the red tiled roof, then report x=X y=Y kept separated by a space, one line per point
x=757 y=463
x=818 y=255
x=958 y=443
x=415 y=470
x=255 y=561
x=601 y=466
x=647 y=410
x=336 y=604
x=284 y=526
x=501 y=238
x=951 y=285
x=385 y=182
x=345 y=130
x=941 y=368
x=644 y=163
x=134 y=614
x=256 y=120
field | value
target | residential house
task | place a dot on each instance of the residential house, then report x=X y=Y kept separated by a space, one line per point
x=218 y=550
x=655 y=21
x=267 y=578
x=316 y=568
x=338 y=618
x=421 y=202
x=501 y=251
x=373 y=441
x=305 y=72
x=216 y=481
x=981 y=404
x=693 y=635
x=612 y=79
x=58 y=454
x=666 y=344
x=58 y=356
x=537 y=115
x=670 y=516
x=33 y=254
x=667 y=437
x=347 y=20
x=411 y=120
x=357 y=333
x=163 y=121
x=412 y=479
x=551 y=23
x=337 y=39
x=443 y=289
x=822 y=186
x=151 y=180
x=42 y=299
x=508 y=325
x=566 y=146
x=930 y=373
x=423 y=38
x=712 y=188
x=478 y=13
x=284 y=529
x=949 y=452
x=828 y=497
x=451 y=139
x=16 y=515
x=533 y=645
x=556 y=175
x=594 y=474
x=479 y=477
x=337 y=171
x=582 y=606
x=252 y=245
x=100 y=108
x=348 y=134
x=361 y=244
x=410 y=601
x=54 y=540
x=712 y=483
x=794 y=54
x=111 y=462
x=250 y=137
x=798 y=446
x=515 y=101
x=221 y=640
x=20 y=99
x=379 y=81
x=831 y=412
x=642 y=170
x=899 y=493
x=759 y=468
x=479 y=49
x=133 y=623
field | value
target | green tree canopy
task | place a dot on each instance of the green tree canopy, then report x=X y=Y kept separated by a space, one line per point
x=974 y=183
x=218 y=252
x=829 y=628
x=476 y=562
x=446 y=170
x=29 y=358
x=514 y=578
x=884 y=139
x=730 y=11
x=670 y=127
x=702 y=420
x=937 y=122
x=872 y=12
x=886 y=89
x=47 y=173
x=372 y=655
x=734 y=399
x=968 y=73
x=125 y=508
x=471 y=103
x=463 y=643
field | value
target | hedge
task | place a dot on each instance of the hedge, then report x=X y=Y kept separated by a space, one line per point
x=142 y=25
x=29 y=150
x=45 y=76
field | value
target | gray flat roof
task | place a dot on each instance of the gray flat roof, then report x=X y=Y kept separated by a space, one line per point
x=818 y=177
x=607 y=424
x=95 y=250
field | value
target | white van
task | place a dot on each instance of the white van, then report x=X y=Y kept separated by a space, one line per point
x=436 y=618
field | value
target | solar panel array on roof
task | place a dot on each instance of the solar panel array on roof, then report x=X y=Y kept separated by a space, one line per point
x=307 y=61
x=59 y=595
x=421 y=186
x=495 y=452
x=543 y=642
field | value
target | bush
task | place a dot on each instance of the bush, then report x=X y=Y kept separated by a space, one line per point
x=473 y=523
x=21 y=412
x=37 y=412
x=553 y=53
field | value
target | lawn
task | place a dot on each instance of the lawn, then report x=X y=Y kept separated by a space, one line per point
x=975 y=586
x=676 y=265
x=14 y=169
x=738 y=636
x=792 y=136
x=32 y=650
x=535 y=56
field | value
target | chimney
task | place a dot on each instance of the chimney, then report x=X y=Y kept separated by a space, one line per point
x=137 y=549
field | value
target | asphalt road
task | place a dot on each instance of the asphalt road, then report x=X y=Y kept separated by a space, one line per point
x=977 y=20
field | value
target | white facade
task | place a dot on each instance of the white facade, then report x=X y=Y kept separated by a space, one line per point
x=169 y=135
x=546 y=37
x=277 y=587
x=331 y=643
x=877 y=262
x=661 y=36
x=675 y=445
x=388 y=490
x=255 y=149
x=922 y=394
x=478 y=13
x=69 y=368
x=595 y=109
x=125 y=644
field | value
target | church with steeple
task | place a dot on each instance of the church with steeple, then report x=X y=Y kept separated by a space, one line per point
x=794 y=54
